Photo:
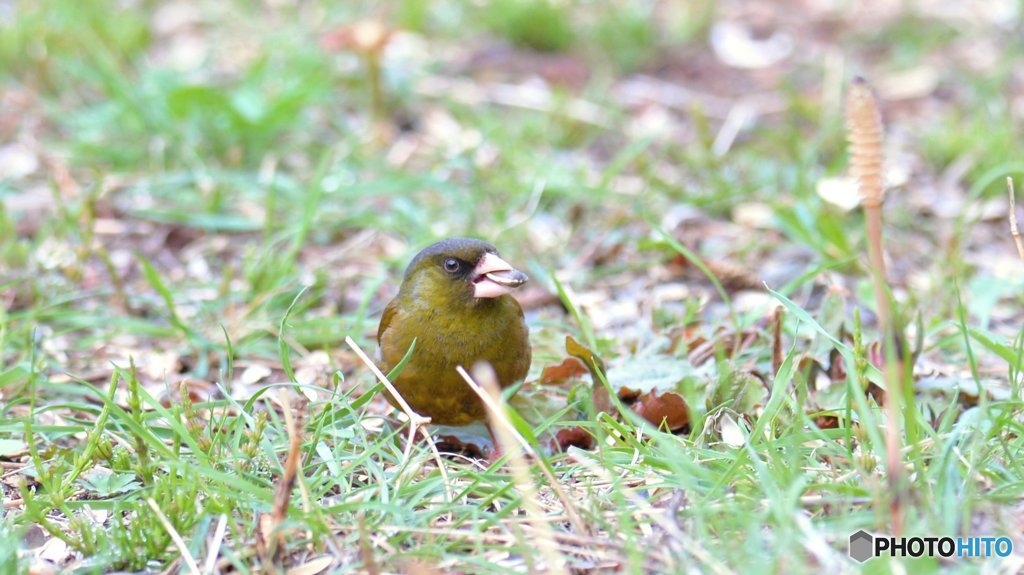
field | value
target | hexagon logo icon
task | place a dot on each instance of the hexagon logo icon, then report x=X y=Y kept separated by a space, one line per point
x=861 y=546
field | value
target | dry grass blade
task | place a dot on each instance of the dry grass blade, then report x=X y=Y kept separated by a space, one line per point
x=214 y=548
x=777 y=339
x=485 y=384
x=178 y=541
x=864 y=131
x=282 y=494
x=270 y=540
x=1014 y=230
x=416 y=421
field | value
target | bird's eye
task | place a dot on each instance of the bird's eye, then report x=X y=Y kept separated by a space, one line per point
x=451 y=265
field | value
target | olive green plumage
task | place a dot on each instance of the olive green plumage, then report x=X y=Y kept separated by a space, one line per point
x=437 y=308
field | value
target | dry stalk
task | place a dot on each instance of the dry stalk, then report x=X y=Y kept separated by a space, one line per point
x=864 y=132
x=282 y=494
x=777 y=340
x=270 y=539
x=416 y=421
x=213 y=549
x=186 y=556
x=1014 y=231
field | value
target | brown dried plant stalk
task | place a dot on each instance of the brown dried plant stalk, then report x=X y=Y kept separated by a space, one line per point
x=864 y=132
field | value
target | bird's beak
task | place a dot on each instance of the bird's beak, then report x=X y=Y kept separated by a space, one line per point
x=493 y=277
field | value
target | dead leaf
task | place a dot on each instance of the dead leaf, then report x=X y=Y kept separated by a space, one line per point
x=732 y=435
x=836 y=366
x=826 y=421
x=668 y=409
x=572 y=437
x=54 y=551
x=562 y=372
x=876 y=393
x=254 y=373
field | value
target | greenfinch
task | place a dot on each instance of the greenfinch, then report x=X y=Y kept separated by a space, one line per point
x=454 y=302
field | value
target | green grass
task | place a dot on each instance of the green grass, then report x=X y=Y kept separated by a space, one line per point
x=213 y=229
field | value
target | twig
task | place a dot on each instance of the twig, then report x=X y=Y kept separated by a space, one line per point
x=1014 y=231
x=416 y=421
x=514 y=446
x=178 y=542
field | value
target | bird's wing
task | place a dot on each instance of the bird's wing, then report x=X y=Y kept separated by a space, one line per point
x=385 y=320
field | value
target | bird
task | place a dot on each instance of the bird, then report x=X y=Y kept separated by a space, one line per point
x=455 y=302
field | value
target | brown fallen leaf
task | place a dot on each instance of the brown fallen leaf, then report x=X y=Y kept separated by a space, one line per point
x=572 y=437
x=810 y=367
x=836 y=366
x=562 y=372
x=876 y=393
x=628 y=395
x=668 y=408
x=826 y=421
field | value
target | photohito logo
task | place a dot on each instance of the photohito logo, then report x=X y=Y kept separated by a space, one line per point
x=864 y=546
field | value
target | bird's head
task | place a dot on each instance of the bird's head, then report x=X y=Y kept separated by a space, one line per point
x=461 y=270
